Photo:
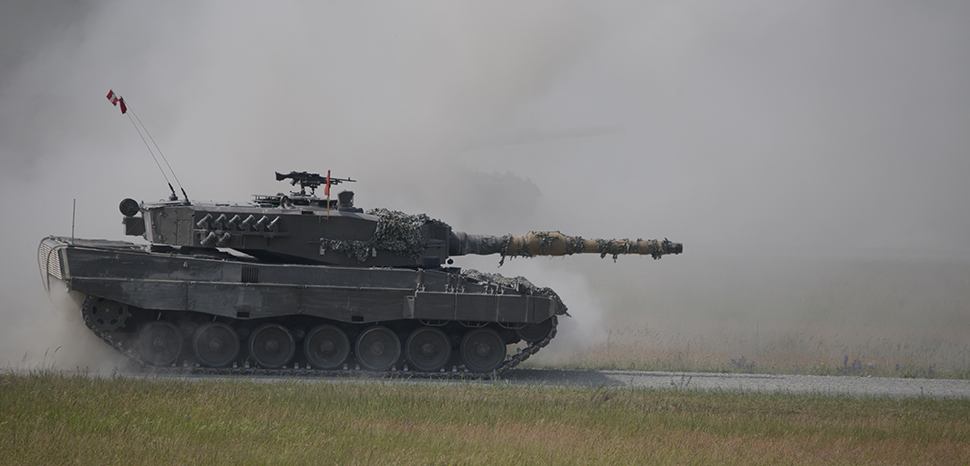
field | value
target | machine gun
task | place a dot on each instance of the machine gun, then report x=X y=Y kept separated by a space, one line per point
x=310 y=180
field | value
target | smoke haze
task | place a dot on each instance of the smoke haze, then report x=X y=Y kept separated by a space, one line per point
x=813 y=157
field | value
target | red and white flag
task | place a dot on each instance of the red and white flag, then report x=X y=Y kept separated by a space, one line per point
x=117 y=99
x=326 y=191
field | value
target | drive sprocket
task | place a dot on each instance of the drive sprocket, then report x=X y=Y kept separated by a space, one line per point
x=104 y=314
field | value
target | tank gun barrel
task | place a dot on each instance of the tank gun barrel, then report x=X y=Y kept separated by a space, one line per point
x=554 y=243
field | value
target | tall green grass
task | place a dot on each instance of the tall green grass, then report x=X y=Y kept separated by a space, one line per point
x=53 y=418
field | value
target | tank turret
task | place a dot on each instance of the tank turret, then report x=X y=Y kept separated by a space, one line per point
x=292 y=281
x=302 y=228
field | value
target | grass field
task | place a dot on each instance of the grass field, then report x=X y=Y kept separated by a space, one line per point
x=55 y=418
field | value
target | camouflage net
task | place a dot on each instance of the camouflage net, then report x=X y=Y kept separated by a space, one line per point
x=506 y=242
x=518 y=283
x=545 y=240
x=577 y=245
x=396 y=232
x=614 y=247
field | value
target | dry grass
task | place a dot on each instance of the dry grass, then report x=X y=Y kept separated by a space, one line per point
x=48 y=418
x=811 y=350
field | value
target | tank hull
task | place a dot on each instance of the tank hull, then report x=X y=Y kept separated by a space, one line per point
x=190 y=289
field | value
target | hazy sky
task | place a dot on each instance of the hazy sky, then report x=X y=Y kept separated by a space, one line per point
x=820 y=127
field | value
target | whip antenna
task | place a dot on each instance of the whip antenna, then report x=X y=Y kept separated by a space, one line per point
x=119 y=101
x=150 y=152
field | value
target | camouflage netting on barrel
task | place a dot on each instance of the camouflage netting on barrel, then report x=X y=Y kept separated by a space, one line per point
x=396 y=232
x=554 y=243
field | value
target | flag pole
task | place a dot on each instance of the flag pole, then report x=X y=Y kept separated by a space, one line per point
x=327 y=192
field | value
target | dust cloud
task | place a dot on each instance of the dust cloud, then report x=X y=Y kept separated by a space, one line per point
x=811 y=156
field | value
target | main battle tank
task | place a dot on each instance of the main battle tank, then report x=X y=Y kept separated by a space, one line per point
x=298 y=282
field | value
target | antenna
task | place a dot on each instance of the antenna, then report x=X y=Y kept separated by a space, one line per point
x=139 y=127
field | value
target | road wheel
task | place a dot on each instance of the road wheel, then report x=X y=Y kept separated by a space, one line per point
x=427 y=349
x=377 y=349
x=159 y=343
x=271 y=346
x=326 y=347
x=215 y=344
x=482 y=350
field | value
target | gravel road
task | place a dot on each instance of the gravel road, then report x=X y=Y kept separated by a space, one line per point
x=851 y=386
x=802 y=384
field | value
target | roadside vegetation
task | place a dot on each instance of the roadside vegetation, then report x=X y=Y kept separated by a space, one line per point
x=47 y=417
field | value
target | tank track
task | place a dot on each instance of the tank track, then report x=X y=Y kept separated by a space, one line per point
x=124 y=347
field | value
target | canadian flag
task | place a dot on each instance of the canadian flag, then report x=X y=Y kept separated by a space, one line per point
x=117 y=99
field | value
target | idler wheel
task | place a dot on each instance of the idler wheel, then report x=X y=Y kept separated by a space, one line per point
x=215 y=345
x=377 y=349
x=159 y=343
x=536 y=332
x=427 y=349
x=326 y=347
x=271 y=346
x=482 y=350
x=104 y=314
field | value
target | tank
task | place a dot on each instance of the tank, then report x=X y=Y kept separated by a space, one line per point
x=296 y=282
